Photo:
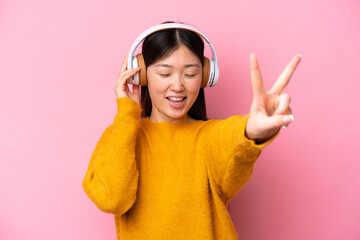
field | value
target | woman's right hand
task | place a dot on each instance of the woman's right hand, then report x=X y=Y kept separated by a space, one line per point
x=122 y=88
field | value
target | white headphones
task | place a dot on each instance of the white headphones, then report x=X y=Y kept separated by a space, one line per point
x=210 y=67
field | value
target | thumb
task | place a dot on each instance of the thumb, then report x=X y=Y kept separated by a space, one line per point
x=277 y=121
x=135 y=89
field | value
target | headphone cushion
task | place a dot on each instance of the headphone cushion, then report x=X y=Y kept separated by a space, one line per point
x=142 y=72
x=206 y=72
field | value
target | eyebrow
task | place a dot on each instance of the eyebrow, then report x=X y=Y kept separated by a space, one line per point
x=169 y=66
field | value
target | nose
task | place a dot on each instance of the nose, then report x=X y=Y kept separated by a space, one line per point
x=177 y=83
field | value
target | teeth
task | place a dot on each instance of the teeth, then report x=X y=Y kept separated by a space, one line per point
x=175 y=99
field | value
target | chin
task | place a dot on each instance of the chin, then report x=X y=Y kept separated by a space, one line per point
x=177 y=116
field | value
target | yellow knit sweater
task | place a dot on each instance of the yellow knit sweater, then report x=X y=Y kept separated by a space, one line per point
x=165 y=180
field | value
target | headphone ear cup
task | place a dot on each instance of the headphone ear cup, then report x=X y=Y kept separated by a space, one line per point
x=205 y=72
x=142 y=72
x=212 y=81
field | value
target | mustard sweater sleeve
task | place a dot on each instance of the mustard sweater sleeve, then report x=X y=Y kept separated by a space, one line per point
x=112 y=175
x=232 y=155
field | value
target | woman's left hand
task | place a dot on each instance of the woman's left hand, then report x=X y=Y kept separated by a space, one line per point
x=269 y=110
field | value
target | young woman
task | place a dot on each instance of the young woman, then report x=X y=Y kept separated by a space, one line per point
x=162 y=168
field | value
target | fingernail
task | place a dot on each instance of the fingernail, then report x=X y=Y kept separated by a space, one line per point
x=300 y=56
x=288 y=119
x=284 y=127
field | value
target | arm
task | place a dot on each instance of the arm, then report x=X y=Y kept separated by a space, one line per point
x=112 y=175
x=232 y=155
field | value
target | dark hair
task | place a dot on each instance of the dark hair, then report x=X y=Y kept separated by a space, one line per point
x=160 y=45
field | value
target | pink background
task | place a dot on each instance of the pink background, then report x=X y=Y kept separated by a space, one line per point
x=59 y=62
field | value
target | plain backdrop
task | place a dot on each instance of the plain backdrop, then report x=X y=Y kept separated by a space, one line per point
x=59 y=62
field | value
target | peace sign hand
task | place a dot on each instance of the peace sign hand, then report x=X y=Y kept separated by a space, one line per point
x=269 y=109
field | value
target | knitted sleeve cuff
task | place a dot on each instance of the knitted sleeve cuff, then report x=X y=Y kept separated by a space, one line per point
x=128 y=109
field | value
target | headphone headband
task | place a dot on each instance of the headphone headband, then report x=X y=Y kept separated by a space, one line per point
x=213 y=75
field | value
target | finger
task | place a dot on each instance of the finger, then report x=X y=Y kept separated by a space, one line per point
x=124 y=76
x=288 y=112
x=277 y=121
x=127 y=88
x=136 y=89
x=285 y=76
x=127 y=74
x=123 y=68
x=256 y=79
x=284 y=102
x=124 y=64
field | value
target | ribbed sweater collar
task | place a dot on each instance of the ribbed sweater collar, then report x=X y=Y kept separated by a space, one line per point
x=170 y=125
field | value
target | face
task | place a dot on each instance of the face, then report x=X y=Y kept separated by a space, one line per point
x=174 y=84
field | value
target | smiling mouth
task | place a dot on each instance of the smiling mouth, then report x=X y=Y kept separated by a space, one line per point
x=176 y=100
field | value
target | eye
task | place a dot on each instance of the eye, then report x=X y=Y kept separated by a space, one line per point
x=190 y=75
x=164 y=75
